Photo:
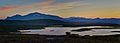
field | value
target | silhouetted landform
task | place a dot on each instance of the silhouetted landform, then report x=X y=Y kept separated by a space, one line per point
x=37 y=15
x=33 y=16
x=88 y=29
x=96 y=20
x=100 y=28
x=73 y=20
x=14 y=25
x=39 y=21
x=33 y=38
x=81 y=30
x=115 y=31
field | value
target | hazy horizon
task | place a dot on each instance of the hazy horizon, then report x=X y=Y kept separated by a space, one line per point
x=62 y=8
x=58 y=16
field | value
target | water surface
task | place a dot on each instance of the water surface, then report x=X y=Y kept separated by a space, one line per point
x=63 y=30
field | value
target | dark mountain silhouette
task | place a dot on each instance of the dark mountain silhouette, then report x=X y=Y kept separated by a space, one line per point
x=96 y=20
x=38 y=21
x=32 y=16
x=37 y=15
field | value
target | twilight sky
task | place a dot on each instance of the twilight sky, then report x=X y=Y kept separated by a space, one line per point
x=62 y=8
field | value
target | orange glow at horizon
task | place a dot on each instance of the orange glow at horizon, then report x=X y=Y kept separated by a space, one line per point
x=86 y=9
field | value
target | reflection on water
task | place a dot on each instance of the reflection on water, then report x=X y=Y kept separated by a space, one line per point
x=63 y=30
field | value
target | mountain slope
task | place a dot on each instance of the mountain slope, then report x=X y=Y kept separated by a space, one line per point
x=81 y=20
x=32 y=16
x=14 y=25
x=96 y=20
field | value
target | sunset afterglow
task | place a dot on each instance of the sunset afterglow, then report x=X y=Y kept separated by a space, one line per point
x=62 y=8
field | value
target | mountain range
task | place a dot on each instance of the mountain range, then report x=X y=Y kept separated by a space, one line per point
x=38 y=20
x=32 y=16
x=37 y=15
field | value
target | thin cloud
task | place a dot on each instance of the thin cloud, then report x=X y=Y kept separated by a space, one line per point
x=12 y=7
x=9 y=7
x=44 y=6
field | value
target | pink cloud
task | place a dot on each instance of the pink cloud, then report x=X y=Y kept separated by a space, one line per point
x=7 y=8
x=11 y=7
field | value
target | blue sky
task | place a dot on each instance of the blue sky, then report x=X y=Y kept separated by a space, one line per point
x=22 y=2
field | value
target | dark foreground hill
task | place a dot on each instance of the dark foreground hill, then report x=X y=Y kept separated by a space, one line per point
x=28 y=24
x=14 y=25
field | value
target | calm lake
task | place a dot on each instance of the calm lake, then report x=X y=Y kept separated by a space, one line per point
x=63 y=30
